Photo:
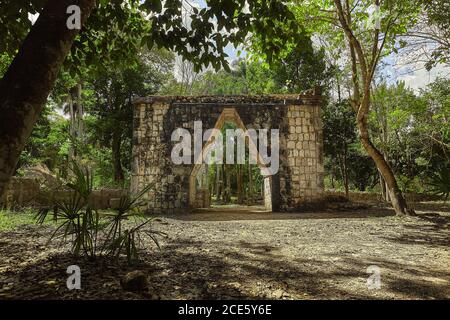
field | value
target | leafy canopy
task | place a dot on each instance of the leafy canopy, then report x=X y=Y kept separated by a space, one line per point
x=116 y=28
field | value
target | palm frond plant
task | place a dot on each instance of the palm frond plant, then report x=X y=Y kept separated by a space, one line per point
x=114 y=235
x=124 y=237
x=440 y=183
x=80 y=222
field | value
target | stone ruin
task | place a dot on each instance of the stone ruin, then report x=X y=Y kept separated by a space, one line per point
x=301 y=169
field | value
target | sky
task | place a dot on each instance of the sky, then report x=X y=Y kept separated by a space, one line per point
x=414 y=74
x=419 y=77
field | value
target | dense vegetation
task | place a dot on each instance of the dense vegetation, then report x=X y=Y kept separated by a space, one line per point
x=289 y=47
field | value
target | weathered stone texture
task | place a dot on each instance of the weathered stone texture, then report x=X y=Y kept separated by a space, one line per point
x=300 y=176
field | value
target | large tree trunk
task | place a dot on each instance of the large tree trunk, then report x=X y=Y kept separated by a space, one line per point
x=31 y=76
x=397 y=199
x=382 y=186
x=117 y=163
x=361 y=100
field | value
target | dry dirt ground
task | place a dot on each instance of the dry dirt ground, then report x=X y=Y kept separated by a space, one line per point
x=247 y=254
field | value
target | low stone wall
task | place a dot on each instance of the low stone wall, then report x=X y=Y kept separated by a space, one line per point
x=19 y=192
x=99 y=199
x=24 y=192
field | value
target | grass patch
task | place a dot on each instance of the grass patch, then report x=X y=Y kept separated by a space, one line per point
x=10 y=220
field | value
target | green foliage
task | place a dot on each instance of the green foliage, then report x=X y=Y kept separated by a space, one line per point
x=48 y=144
x=412 y=130
x=338 y=127
x=439 y=182
x=5 y=61
x=9 y=220
x=319 y=17
x=108 y=103
x=79 y=221
x=303 y=67
x=392 y=123
x=15 y=23
x=435 y=114
x=108 y=117
x=363 y=173
x=245 y=77
x=438 y=20
x=343 y=152
x=115 y=29
x=108 y=59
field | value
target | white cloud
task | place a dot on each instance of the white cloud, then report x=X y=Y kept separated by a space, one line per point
x=418 y=77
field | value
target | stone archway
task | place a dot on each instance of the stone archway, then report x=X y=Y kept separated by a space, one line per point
x=297 y=117
x=229 y=114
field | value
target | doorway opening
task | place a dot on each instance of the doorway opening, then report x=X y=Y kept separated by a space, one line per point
x=239 y=186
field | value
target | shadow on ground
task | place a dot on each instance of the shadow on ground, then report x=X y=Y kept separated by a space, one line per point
x=186 y=270
x=257 y=213
x=191 y=267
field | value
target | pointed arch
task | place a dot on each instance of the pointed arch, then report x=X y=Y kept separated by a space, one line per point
x=230 y=114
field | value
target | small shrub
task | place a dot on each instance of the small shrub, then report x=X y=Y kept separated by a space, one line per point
x=89 y=233
x=439 y=183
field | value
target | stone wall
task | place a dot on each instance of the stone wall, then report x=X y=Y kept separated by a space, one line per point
x=19 y=192
x=300 y=175
x=27 y=192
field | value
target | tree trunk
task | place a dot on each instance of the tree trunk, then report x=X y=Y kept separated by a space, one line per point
x=79 y=115
x=217 y=182
x=345 y=172
x=220 y=182
x=240 y=195
x=72 y=132
x=387 y=197
x=250 y=184
x=228 y=187
x=397 y=199
x=382 y=186
x=343 y=168
x=30 y=77
x=225 y=176
x=361 y=101
x=76 y=123
x=206 y=176
x=117 y=163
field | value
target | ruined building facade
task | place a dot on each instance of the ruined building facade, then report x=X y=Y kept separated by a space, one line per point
x=297 y=117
